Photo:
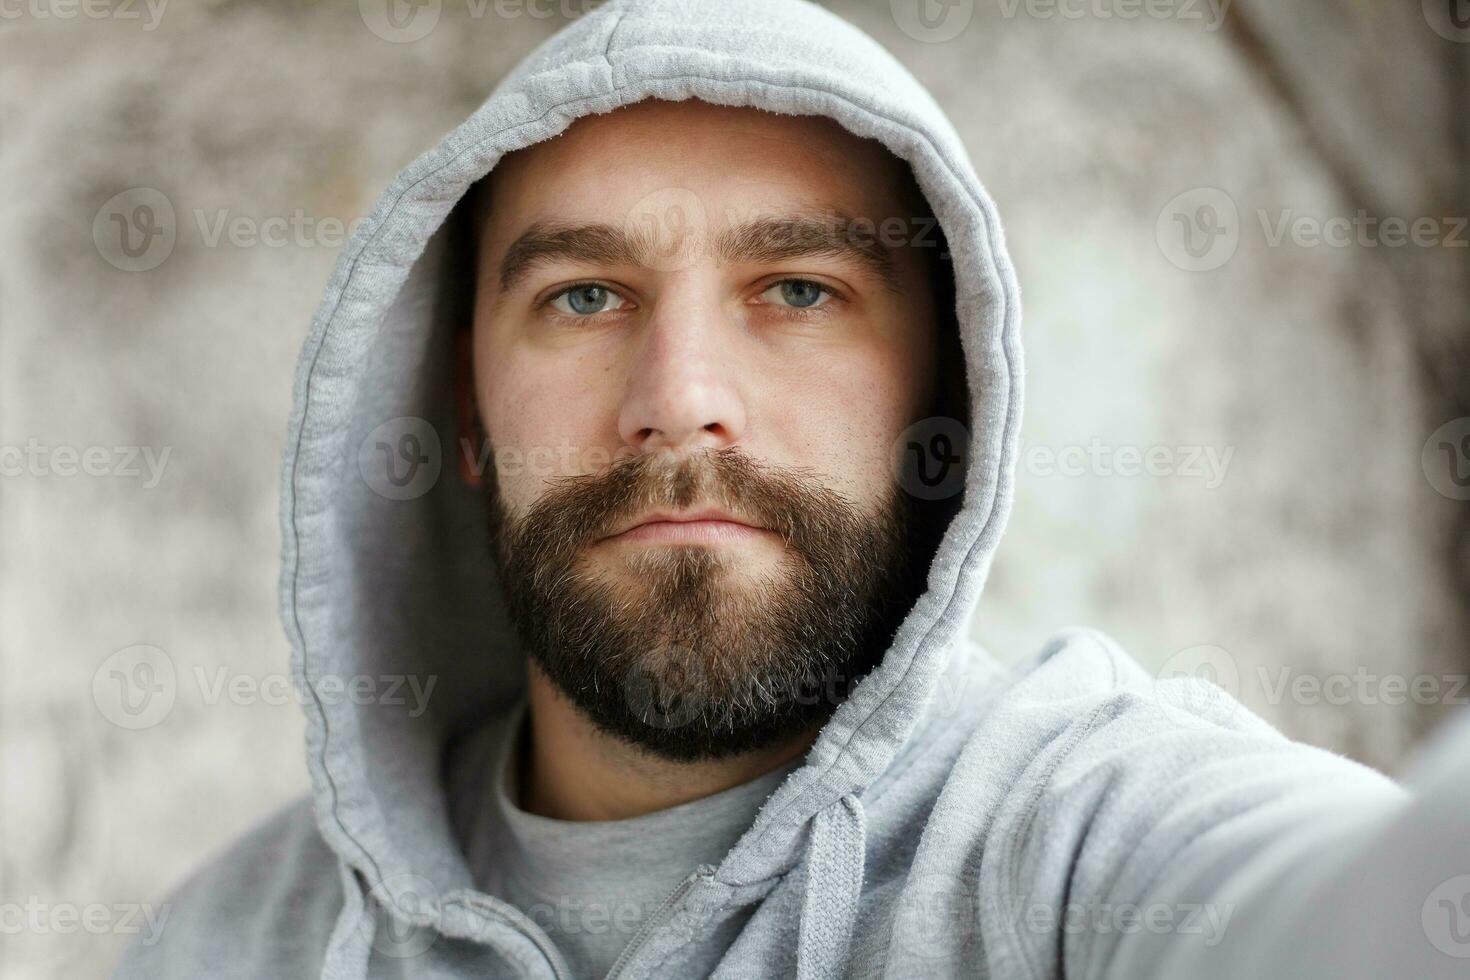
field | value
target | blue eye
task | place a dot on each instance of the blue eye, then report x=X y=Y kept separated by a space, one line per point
x=801 y=294
x=586 y=299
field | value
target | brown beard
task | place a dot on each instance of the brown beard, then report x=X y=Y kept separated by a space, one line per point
x=677 y=659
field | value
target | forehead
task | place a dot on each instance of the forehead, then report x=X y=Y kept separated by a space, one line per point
x=734 y=159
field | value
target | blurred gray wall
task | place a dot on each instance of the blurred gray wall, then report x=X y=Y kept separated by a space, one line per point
x=1142 y=166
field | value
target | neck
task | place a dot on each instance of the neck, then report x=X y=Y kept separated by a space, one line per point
x=571 y=770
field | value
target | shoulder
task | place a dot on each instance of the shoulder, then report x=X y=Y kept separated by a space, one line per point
x=1083 y=757
x=261 y=908
x=1082 y=678
x=1084 y=715
x=1089 y=778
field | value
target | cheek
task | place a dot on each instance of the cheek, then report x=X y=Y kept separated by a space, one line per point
x=845 y=416
x=543 y=422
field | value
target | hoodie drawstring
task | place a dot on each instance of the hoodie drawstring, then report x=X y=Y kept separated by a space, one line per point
x=351 y=942
x=834 y=884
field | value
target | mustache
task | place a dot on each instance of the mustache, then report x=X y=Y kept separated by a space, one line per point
x=793 y=502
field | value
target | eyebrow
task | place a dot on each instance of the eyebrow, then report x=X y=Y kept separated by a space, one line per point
x=766 y=239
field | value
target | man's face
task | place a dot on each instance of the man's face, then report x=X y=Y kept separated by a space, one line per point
x=682 y=309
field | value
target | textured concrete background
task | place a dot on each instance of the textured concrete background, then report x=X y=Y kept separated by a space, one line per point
x=1323 y=549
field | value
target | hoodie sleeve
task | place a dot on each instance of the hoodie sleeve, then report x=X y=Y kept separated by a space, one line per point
x=1325 y=885
x=1171 y=834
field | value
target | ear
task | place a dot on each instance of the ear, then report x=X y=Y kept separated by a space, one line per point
x=471 y=433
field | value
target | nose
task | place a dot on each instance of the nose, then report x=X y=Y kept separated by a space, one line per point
x=684 y=387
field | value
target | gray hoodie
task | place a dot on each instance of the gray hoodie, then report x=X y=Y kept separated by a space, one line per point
x=1069 y=817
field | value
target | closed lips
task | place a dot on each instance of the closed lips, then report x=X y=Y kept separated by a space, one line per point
x=707 y=516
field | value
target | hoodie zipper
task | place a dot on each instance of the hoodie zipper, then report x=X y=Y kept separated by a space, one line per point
x=657 y=919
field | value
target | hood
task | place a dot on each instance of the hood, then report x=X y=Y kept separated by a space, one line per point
x=387 y=584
